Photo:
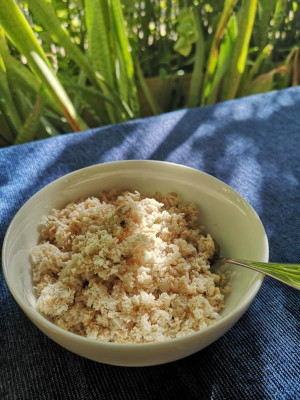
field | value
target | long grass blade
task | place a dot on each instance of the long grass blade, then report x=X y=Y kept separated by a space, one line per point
x=98 y=40
x=44 y=12
x=278 y=17
x=288 y=63
x=295 y=77
x=22 y=76
x=27 y=107
x=126 y=55
x=92 y=99
x=224 y=58
x=6 y=133
x=99 y=49
x=122 y=80
x=255 y=68
x=98 y=34
x=53 y=84
x=153 y=104
x=48 y=127
x=81 y=89
x=264 y=54
x=81 y=80
x=23 y=102
x=214 y=49
x=265 y=9
x=263 y=83
x=29 y=130
x=19 y=32
x=115 y=96
x=7 y=104
x=237 y=65
x=197 y=75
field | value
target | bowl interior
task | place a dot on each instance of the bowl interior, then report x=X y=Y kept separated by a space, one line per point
x=228 y=217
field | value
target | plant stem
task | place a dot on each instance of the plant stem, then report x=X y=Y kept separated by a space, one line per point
x=197 y=75
x=153 y=104
x=295 y=69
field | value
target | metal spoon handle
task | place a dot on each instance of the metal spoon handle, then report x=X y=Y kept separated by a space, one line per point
x=286 y=273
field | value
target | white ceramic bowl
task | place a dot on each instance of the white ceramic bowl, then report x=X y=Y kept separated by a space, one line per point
x=229 y=218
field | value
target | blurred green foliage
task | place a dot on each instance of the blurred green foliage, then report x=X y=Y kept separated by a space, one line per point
x=67 y=65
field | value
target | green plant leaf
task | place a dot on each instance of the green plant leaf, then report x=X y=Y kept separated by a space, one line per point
x=48 y=127
x=124 y=57
x=115 y=96
x=45 y=13
x=7 y=133
x=153 y=104
x=264 y=54
x=23 y=103
x=26 y=106
x=278 y=17
x=255 y=68
x=263 y=83
x=7 y=104
x=214 y=48
x=266 y=8
x=99 y=48
x=246 y=17
x=295 y=77
x=53 y=84
x=197 y=75
x=289 y=63
x=224 y=58
x=119 y=24
x=19 y=32
x=91 y=99
x=29 y=130
x=187 y=31
x=81 y=80
x=22 y=76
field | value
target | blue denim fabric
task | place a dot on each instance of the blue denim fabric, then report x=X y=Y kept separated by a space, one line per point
x=252 y=144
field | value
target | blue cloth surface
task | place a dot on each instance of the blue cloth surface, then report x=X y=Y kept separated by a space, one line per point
x=252 y=144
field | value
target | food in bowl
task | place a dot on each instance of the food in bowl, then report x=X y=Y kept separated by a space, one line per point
x=230 y=219
x=127 y=268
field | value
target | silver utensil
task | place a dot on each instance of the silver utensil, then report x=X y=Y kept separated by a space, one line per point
x=285 y=273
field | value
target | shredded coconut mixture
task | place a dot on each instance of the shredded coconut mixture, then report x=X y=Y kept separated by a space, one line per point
x=127 y=268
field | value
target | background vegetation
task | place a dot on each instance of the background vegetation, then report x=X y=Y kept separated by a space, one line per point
x=69 y=65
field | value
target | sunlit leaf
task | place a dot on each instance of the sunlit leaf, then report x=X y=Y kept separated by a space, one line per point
x=246 y=17
x=124 y=57
x=29 y=130
x=226 y=48
x=214 y=48
x=187 y=32
x=18 y=30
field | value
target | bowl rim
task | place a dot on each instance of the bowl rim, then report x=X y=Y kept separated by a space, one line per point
x=34 y=315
